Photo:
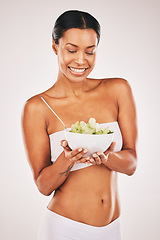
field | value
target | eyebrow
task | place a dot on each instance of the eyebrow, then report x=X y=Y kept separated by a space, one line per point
x=77 y=46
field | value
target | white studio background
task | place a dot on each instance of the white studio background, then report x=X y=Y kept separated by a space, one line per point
x=129 y=48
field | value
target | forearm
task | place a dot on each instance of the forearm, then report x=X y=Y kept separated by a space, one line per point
x=124 y=161
x=53 y=176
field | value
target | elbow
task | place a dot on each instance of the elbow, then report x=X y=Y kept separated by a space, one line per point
x=44 y=191
x=132 y=168
x=131 y=171
x=42 y=187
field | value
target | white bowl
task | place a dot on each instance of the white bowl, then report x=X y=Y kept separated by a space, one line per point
x=92 y=142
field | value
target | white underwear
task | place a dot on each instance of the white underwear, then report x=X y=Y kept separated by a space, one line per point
x=56 y=227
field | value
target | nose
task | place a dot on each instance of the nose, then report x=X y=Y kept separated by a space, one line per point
x=80 y=58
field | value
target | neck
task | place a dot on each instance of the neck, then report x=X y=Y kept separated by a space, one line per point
x=68 y=88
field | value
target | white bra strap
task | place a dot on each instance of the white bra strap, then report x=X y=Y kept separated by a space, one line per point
x=53 y=111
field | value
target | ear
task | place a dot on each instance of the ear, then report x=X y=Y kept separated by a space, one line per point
x=54 y=46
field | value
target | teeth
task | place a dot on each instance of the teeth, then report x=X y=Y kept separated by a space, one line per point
x=77 y=70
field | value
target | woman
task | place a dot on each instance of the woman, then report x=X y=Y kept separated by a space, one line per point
x=85 y=204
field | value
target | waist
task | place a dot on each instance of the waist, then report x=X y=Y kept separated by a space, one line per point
x=64 y=221
x=91 y=198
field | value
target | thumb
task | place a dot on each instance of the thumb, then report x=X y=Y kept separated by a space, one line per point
x=64 y=144
x=111 y=147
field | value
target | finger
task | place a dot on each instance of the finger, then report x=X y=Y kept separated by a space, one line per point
x=102 y=156
x=111 y=148
x=77 y=154
x=87 y=160
x=84 y=160
x=97 y=158
x=92 y=160
x=65 y=145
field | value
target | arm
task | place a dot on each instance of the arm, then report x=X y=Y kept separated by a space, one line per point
x=124 y=161
x=47 y=176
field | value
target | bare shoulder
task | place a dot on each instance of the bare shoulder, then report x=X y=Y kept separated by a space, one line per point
x=111 y=82
x=33 y=105
x=33 y=117
x=114 y=87
x=116 y=82
x=118 y=86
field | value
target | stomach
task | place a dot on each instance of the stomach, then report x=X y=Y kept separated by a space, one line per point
x=88 y=195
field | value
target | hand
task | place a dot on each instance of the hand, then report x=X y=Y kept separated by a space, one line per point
x=75 y=155
x=100 y=157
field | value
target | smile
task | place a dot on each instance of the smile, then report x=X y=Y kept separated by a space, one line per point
x=77 y=70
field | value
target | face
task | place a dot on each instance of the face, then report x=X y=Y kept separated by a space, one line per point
x=76 y=53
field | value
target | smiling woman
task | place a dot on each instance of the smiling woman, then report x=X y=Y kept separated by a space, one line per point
x=76 y=51
x=85 y=204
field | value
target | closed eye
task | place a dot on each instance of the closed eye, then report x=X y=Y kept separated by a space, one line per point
x=89 y=53
x=71 y=51
x=76 y=51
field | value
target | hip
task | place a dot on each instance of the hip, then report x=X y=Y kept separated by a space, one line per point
x=92 y=209
x=54 y=226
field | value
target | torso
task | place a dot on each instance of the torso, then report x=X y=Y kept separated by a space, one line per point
x=88 y=195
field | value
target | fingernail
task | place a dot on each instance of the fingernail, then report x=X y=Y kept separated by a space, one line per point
x=87 y=163
x=99 y=153
x=80 y=149
x=85 y=150
x=94 y=155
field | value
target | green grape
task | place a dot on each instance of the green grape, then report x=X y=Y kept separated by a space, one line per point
x=89 y=128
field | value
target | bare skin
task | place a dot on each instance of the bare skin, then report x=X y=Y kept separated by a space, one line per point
x=88 y=195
